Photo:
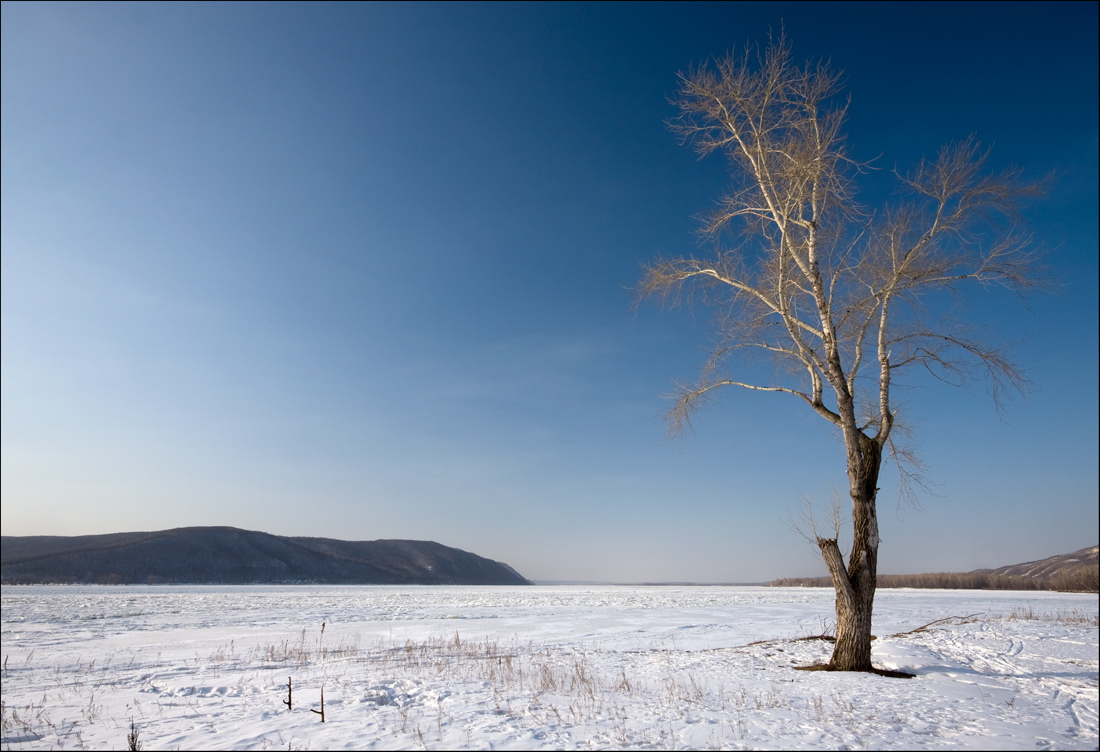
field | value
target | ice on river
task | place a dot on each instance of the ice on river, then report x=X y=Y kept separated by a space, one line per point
x=546 y=667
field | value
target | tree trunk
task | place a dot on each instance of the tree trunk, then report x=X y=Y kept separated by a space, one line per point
x=855 y=585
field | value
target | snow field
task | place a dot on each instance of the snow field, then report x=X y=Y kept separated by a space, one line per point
x=539 y=668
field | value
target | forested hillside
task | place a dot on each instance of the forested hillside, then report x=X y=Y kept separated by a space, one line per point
x=232 y=556
x=1075 y=572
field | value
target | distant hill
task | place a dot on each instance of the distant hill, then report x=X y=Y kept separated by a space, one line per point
x=1051 y=568
x=226 y=555
x=1078 y=571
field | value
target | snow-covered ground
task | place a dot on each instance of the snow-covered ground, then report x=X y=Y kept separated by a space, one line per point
x=539 y=668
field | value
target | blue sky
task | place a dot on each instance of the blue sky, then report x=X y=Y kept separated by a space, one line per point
x=364 y=271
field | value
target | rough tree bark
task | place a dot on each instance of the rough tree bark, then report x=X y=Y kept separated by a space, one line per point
x=839 y=293
x=855 y=585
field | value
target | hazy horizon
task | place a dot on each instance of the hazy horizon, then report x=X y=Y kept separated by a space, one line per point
x=583 y=582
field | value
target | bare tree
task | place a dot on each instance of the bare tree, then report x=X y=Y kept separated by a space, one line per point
x=843 y=296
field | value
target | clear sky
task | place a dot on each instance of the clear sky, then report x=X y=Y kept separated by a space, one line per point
x=364 y=271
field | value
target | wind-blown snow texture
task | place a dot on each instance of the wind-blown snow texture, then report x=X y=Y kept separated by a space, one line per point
x=538 y=667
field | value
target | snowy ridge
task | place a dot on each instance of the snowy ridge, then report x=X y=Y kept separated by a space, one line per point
x=1051 y=566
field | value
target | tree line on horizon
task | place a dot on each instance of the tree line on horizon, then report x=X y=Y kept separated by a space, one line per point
x=1084 y=579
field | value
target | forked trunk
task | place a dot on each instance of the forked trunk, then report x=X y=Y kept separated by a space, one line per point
x=855 y=584
x=852 y=651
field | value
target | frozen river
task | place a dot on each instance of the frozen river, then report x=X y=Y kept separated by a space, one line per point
x=551 y=667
